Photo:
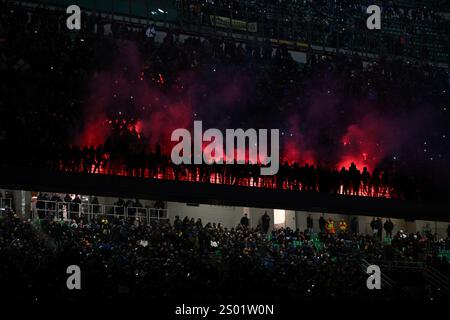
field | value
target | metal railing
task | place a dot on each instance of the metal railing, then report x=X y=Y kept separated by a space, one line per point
x=5 y=203
x=437 y=279
x=72 y=210
x=403 y=265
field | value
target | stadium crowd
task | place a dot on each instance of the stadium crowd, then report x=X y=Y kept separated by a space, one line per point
x=347 y=181
x=195 y=261
x=408 y=28
x=44 y=70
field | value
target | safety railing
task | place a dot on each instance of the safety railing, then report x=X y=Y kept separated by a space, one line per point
x=403 y=265
x=437 y=279
x=73 y=210
x=5 y=203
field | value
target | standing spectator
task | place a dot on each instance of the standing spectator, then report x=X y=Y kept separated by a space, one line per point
x=130 y=208
x=159 y=206
x=329 y=228
x=374 y=226
x=95 y=205
x=379 y=228
x=309 y=224
x=245 y=222
x=322 y=224
x=343 y=226
x=75 y=207
x=66 y=208
x=40 y=206
x=265 y=222
x=388 y=227
x=55 y=198
x=138 y=204
x=354 y=225
x=53 y=205
x=177 y=224
x=119 y=207
x=67 y=198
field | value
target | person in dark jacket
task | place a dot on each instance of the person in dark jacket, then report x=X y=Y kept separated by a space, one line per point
x=354 y=225
x=245 y=222
x=322 y=224
x=388 y=227
x=265 y=222
x=380 y=229
x=310 y=224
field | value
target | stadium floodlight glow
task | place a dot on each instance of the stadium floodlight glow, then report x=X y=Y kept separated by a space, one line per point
x=234 y=153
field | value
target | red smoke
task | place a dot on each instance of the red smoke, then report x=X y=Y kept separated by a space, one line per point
x=122 y=92
x=362 y=137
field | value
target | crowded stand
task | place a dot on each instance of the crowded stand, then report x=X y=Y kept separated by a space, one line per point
x=45 y=100
x=416 y=29
x=200 y=261
x=104 y=100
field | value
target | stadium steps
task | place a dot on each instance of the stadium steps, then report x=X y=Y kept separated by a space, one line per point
x=437 y=280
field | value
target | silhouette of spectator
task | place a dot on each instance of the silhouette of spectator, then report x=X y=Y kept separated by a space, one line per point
x=343 y=226
x=245 y=222
x=322 y=223
x=379 y=228
x=95 y=205
x=374 y=226
x=354 y=226
x=265 y=222
x=310 y=224
x=388 y=227
x=75 y=207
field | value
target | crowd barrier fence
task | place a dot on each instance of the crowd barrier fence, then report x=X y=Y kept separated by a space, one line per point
x=5 y=203
x=73 y=210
